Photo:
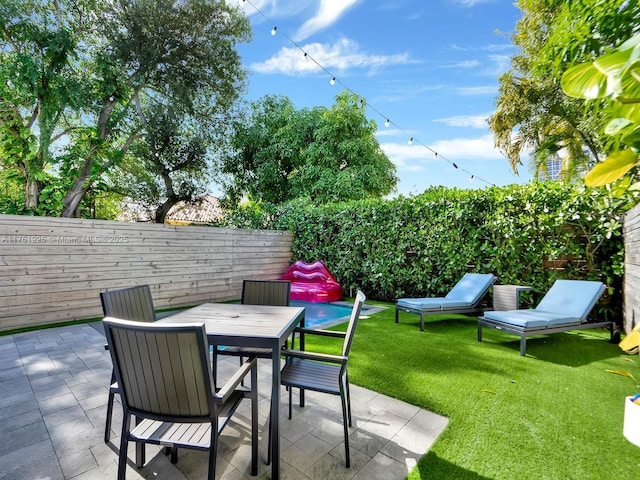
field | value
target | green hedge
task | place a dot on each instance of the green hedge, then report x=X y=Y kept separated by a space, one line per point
x=421 y=245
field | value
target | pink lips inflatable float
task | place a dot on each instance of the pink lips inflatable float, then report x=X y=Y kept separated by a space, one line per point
x=312 y=282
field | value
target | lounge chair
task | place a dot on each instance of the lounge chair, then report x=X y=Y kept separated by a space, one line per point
x=464 y=298
x=565 y=307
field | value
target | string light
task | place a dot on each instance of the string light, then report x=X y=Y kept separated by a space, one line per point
x=362 y=101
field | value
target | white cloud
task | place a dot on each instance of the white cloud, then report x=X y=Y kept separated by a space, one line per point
x=473 y=121
x=470 y=3
x=329 y=12
x=462 y=64
x=482 y=90
x=481 y=148
x=388 y=132
x=342 y=55
x=415 y=157
x=274 y=9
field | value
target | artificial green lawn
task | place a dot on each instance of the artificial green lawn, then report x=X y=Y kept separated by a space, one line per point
x=555 y=414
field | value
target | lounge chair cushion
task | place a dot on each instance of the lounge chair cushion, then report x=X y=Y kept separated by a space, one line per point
x=434 y=303
x=571 y=298
x=466 y=293
x=471 y=288
x=533 y=318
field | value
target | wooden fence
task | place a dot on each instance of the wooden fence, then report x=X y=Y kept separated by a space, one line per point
x=631 y=307
x=53 y=269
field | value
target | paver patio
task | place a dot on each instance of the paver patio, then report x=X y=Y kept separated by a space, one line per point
x=54 y=386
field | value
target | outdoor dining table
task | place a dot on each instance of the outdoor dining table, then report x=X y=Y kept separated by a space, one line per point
x=241 y=325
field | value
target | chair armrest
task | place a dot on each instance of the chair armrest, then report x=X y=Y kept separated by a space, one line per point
x=223 y=393
x=319 y=331
x=324 y=357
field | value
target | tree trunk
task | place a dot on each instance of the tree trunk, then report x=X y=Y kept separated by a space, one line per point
x=73 y=197
x=31 y=193
x=163 y=210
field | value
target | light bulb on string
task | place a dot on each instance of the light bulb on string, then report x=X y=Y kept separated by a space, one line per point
x=363 y=102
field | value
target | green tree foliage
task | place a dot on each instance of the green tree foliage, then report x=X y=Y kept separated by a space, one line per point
x=613 y=78
x=322 y=154
x=37 y=87
x=171 y=164
x=532 y=113
x=97 y=65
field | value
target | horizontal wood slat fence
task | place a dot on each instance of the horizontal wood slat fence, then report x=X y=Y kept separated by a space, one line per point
x=631 y=268
x=53 y=269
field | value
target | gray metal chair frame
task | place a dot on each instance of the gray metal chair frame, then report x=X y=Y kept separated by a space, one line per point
x=322 y=372
x=166 y=383
x=523 y=331
x=131 y=303
x=471 y=309
x=257 y=292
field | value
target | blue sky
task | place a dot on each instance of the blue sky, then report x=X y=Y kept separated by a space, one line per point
x=430 y=67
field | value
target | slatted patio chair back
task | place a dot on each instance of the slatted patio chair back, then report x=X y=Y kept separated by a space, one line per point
x=131 y=303
x=353 y=322
x=266 y=292
x=163 y=370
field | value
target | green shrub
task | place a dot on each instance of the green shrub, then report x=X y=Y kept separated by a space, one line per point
x=421 y=245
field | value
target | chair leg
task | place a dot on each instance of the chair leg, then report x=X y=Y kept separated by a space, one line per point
x=122 y=458
x=269 y=442
x=213 y=450
x=214 y=364
x=348 y=398
x=107 y=428
x=290 y=401
x=254 y=419
x=141 y=454
x=343 y=400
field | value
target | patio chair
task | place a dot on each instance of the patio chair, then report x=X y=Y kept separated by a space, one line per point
x=564 y=307
x=466 y=297
x=166 y=383
x=131 y=303
x=322 y=372
x=256 y=292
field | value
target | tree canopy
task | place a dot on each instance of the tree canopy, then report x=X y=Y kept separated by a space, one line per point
x=323 y=155
x=532 y=112
x=78 y=76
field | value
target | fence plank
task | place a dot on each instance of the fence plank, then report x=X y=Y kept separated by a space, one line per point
x=53 y=269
